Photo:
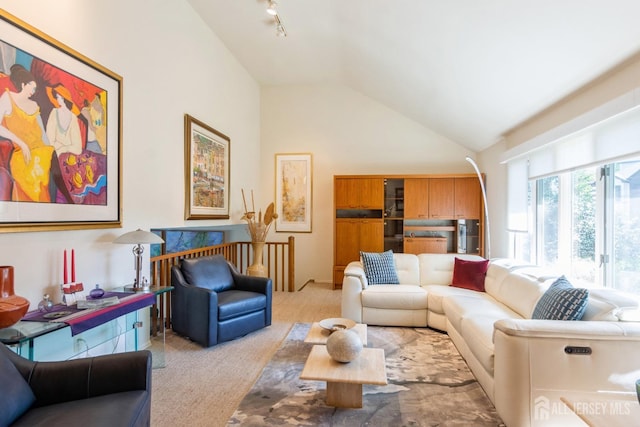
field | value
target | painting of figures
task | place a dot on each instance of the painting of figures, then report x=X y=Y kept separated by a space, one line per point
x=55 y=140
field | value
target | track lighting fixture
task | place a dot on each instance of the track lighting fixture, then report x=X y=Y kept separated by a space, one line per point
x=280 y=31
x=271 y=10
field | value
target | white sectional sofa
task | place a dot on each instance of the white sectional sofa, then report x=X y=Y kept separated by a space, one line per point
x=525 y=366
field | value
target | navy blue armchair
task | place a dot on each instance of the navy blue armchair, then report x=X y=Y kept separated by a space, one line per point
x=111 y=391
x=213 y=303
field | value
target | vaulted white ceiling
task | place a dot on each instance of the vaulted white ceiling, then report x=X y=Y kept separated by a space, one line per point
x=467 y=69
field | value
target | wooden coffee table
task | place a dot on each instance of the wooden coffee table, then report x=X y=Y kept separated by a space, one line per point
x=319 y=335
x=345 y=380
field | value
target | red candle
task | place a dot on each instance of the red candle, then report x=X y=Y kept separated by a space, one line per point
x=65 y=266
x=73 y=265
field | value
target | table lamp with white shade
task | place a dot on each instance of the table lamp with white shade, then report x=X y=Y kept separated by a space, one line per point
x=138 y=238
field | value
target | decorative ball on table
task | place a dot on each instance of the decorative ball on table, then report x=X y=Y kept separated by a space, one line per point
x=46 y=304
x=96 y=292
x=344 y=345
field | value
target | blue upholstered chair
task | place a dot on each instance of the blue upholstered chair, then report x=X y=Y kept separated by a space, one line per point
x=213 y=303
x=102 y=391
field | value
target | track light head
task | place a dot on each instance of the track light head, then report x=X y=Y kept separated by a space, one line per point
x=271 y=8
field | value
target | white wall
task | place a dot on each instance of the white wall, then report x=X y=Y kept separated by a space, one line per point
x=347 y=133
x=171 y=64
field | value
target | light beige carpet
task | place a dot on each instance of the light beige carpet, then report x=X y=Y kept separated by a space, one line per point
x=203 y=386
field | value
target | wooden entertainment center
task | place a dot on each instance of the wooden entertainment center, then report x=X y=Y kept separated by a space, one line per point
x=405 y=213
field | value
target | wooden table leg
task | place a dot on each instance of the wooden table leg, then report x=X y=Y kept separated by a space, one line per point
x=344 y=395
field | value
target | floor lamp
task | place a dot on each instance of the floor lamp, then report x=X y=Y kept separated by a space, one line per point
x=486 y=208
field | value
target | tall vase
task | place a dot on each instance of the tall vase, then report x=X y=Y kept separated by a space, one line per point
x=12 y=307
x=257 y=268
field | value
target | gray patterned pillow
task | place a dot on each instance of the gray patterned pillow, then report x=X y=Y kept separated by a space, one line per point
x=379 y=268
x=562 y=302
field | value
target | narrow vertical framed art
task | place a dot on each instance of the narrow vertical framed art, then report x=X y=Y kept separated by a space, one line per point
x=294 y=191
x=207 y=156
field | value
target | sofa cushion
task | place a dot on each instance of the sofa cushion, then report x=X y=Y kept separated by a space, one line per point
x=437 y=269
x=610 y=305
x=459 y=307
x=561 y=302
x=17 y=396
x=407 y=268
x=520 y=291
x=407 y=297
x=477 y=332
x=209 y=272
x=379 y=268
x=235 y=303
x=116 y=409
x=437 y=293
x=469 y=274
x=498 y=270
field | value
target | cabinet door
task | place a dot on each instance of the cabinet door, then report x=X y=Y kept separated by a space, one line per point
x=468 y=195
x=359 y=193
x=347 y=241
x=425 y=245
x=441 y=198
x=343 y=192
x=355 y=235
x=416 y=198
x=371 y=236
x=371 y=193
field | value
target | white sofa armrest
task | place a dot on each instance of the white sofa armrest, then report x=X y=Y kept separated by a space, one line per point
x=540 y=360
x=353 y=283
x=355 y=269
x=563 y=329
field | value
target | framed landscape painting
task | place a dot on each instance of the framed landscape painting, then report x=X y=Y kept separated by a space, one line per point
x=293 y=192
x=60 y=135
x=206 y=171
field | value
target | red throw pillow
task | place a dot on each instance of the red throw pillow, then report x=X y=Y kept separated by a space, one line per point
x=469 y=274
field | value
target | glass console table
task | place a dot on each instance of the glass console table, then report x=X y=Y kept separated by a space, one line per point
x=21 y=335
x=49 y=340
x=160 y=315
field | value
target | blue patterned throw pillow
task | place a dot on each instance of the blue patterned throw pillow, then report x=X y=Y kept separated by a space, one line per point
x=379 y=268
x=562 y=302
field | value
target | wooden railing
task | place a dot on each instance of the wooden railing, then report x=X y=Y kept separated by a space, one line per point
x=278 y=258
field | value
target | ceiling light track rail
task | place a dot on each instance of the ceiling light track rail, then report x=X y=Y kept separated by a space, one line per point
x=273 y=11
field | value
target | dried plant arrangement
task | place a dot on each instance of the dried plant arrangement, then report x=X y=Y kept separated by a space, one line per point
x=258 y=226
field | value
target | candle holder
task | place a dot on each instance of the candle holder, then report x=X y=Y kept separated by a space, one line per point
x=71 y=290
x=72 y=293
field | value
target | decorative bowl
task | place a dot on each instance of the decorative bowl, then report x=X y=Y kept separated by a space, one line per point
x=337 y=323
x=12 y=309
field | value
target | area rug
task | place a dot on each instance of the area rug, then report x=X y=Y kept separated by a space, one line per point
x=429 y=384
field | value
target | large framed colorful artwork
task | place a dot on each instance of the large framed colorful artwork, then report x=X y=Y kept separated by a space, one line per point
x=207 y=156
x=60 y=135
